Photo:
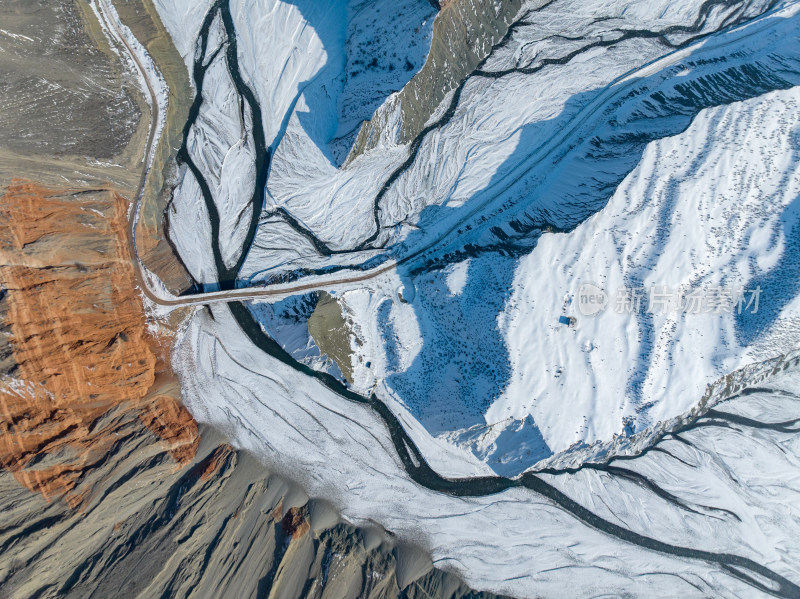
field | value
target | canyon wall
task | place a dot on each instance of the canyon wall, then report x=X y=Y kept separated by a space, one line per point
x=463 y=35
x=81 y=345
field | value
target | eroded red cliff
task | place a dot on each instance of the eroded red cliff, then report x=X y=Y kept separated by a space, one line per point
x=80 y=340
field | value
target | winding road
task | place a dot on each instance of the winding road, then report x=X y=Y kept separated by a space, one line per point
x=141 y=271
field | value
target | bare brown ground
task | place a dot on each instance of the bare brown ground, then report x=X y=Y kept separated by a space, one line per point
x=80 y=340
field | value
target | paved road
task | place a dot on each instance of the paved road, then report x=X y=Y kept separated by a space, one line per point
x=160 y=297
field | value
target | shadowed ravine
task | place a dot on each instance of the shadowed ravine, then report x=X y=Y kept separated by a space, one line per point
x=263 y=156
x=411 y=457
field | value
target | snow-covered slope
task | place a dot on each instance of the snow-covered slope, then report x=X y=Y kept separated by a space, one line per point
x=713 y=208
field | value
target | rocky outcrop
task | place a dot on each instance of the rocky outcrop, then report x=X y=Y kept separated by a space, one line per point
x=80 y=342
x=463 y=35
x=77 y=359
x=332 y=332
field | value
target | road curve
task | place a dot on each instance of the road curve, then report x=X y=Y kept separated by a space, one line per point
x=140 y=269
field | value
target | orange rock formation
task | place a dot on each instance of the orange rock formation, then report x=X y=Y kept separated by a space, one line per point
x=80 y=340
x=295 y=522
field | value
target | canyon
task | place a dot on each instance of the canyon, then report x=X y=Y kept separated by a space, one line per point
x=289 y=298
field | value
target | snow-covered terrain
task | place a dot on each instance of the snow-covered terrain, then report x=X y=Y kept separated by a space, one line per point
x=341 y=451
x=713 y=208
x=613 y=148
